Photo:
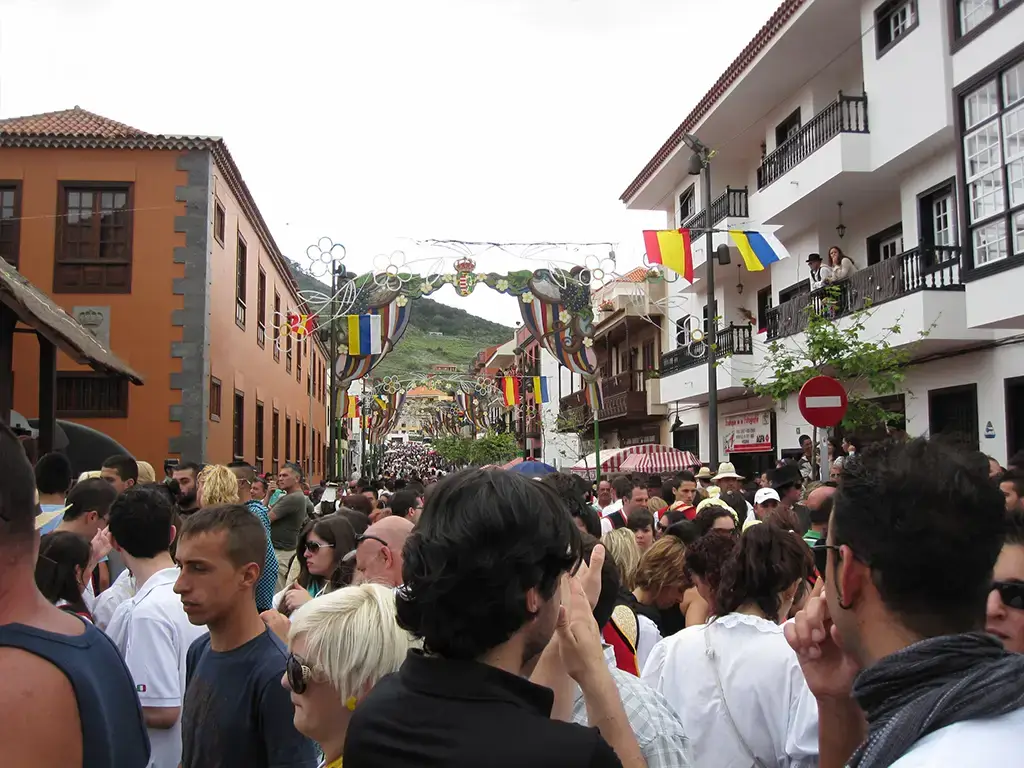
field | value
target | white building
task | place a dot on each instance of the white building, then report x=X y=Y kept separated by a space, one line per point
x=910 y=114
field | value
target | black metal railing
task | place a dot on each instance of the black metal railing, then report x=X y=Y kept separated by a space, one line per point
x=734 y=340
x=731 y=203
x=928 y=269
x=847 y=114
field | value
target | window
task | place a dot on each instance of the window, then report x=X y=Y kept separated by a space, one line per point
x=993 y=165
x=764 y=303
x=305 y=449
x=219 y=220
x=287 y=439
x=275 y=440
x=936 y=215
x=214 y=399
x=261 y=308
x=241 y=257
x=311 y=381
x=298 y=361
x=804 y=286
x=10 y=221
x=893 y=21
x=91 y=395
x=788 y=128
x=298 y=443
x=94 y=239
x=238 y=427
x=259 y=436
x=686 y=205
x=649 y=362
x=288 y=352
x=885 y=244
x=276 y=320
x=973 y=16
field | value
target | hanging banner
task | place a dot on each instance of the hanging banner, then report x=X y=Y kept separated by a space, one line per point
x=747 y=432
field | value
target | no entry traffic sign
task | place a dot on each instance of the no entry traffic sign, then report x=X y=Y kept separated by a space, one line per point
x=823 y=401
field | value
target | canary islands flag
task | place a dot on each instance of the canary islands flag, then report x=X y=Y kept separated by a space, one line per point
x=364 y=335
x=540 y=389
x=758 y=249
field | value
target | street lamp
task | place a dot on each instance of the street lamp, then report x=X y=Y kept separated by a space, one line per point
x=700 y=165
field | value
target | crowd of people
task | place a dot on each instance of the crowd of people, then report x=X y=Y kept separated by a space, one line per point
x=412 y=458
x=481 y=617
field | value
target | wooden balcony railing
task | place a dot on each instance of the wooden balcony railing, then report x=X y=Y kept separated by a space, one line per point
x=731 y=203
x=734 y=340
x=847 y=114
x=932 y=269
x=625 y=395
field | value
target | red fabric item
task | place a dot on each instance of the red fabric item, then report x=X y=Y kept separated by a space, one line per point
x=625 y=654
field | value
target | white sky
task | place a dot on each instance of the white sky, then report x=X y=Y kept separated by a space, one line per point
x=380 y=122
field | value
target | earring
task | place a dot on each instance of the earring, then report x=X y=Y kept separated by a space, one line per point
x=351 y=704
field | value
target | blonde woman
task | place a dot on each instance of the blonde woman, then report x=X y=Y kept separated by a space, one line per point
x=146 y=473
x=341 y=644
x=216 y=485
x=622 y=548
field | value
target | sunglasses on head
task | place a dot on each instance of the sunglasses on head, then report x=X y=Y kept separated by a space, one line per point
x=1011 y=593
x=315 y=546
x=360 y=538
x=299 y=673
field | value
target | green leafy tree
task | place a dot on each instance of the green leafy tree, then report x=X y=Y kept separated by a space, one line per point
x=493 y=448
x=453 y=449
x=867 y=367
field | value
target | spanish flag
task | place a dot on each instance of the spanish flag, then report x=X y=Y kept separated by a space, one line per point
x=351 y=407
x=670 y=248
x=510 y=390
x=540 y=389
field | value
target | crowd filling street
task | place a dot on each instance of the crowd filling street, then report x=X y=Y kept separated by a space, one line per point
x=482 y=617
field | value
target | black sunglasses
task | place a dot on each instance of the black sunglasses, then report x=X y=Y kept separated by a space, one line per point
x=360 y=538
x=298 y=672
x=820 y=551
x=1011 y=593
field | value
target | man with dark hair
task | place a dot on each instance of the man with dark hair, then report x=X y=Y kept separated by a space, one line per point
x=151 y=629
x=245 y=473
x=186 y=476
x=86 y=514
x=486 y=584
x=615 y=515
x=408 y=505
x=806 y=460
x=53 y=481
x=120 y=471
x=898 y=637
x=66 y=696
x=685 y=490
x=1011 y=483
x=233 y=674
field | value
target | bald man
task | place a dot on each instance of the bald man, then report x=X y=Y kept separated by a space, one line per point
x=379 y=551
x=819 y=504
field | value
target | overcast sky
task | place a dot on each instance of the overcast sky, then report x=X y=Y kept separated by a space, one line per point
x=381 y=122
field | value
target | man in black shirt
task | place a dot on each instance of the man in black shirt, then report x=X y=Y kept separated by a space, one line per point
x=486 y=586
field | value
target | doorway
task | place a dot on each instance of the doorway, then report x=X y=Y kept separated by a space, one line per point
x=954 y=411
x=1014 y=415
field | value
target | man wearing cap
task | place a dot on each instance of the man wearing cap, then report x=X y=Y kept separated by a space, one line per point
x=765 y=500
x=819 y=274
x=727 y=480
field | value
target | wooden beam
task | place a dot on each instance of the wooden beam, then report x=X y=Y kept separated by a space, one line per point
x=47 y=394
x=8 y=321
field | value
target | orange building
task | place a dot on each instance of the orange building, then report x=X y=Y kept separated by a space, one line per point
x=155 y=244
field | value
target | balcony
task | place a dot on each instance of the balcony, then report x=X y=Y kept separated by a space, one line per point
x=847 y=114
x=914 y=271
x=625 y=397
x=734 y=340
x=730 y=204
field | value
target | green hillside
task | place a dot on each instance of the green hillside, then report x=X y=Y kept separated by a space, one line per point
x=464 y=334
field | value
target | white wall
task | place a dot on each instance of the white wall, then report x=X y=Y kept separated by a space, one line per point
x=988 y=47
x=930 y=173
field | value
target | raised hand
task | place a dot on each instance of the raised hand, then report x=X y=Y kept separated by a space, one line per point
x=579 y=638
x=828 y=669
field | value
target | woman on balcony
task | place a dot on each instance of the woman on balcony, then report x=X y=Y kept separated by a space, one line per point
x=842 y=265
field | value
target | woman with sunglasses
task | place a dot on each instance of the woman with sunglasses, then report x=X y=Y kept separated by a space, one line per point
x=1005 y=609
x=320 y=555
x=340 y=645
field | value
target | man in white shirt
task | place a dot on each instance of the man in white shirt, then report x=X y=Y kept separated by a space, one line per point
x=819 y=274
x=151 y=629
x=915 y=531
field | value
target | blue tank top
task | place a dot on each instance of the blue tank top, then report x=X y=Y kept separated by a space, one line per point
x=113 y=731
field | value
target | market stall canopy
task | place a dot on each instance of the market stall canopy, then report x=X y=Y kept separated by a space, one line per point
x=534 y=469
x=613 y=458
x=670 y=460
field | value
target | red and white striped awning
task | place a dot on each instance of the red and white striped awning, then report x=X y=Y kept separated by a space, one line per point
x=612 y=460
x=671 y=460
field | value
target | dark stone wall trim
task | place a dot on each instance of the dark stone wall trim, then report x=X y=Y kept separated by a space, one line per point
x=193 y=318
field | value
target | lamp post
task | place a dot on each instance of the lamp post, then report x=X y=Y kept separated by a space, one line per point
x=700 y=165
x=333 y=457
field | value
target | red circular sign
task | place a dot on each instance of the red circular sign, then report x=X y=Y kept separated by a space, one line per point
x=823 y=401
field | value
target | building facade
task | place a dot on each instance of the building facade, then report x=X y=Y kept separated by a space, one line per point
x=156 y=245
x=891 y=130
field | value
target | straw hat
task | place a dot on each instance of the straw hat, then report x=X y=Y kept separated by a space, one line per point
x=725 y=471
x=704 y=474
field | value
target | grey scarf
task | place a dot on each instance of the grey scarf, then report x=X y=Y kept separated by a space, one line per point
x=932 y=684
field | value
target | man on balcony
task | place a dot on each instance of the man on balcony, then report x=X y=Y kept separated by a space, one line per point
x=819 y=274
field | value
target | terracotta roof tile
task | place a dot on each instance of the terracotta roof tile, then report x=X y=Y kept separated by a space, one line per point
x=767 y=33
x=635 y=275
x=68 y=122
